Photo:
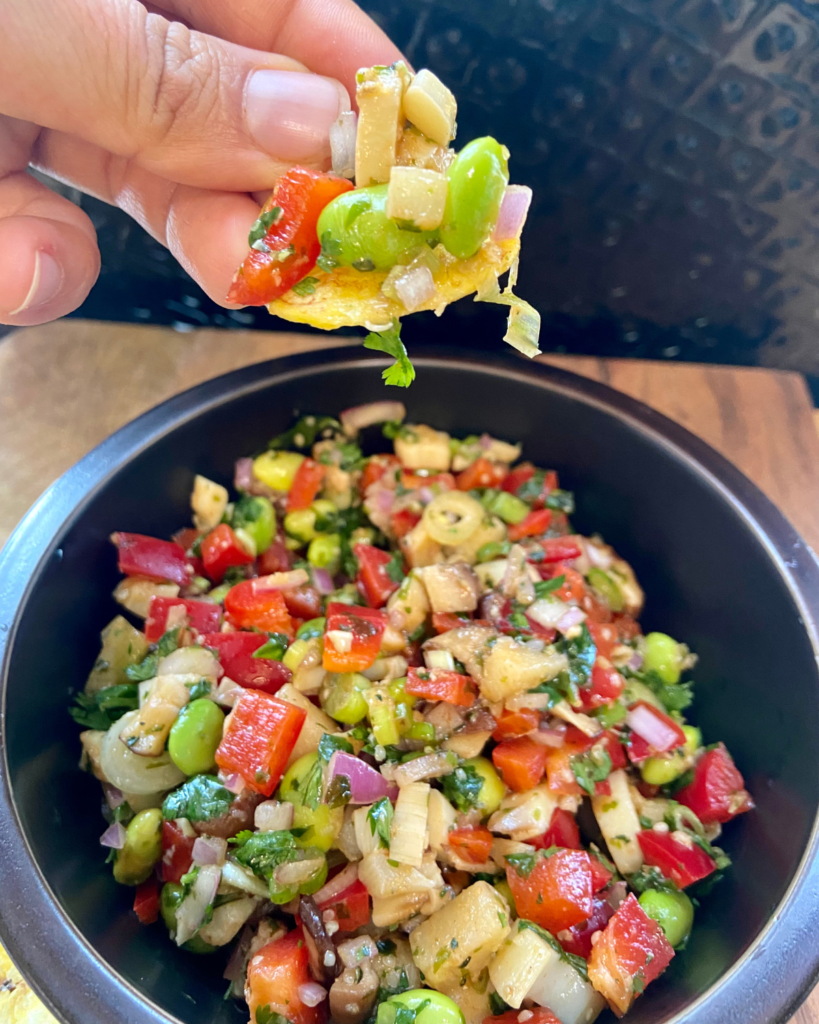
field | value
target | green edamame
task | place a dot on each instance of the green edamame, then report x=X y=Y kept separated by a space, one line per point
x=256 y=516
x=493 y=790
x=607 y=588
x=311 y=629
x=508 y=507
x=142 y=849
x=301 y=524
x=325 y=551
x=355 y=231
x=195 y=735
x=301 y=786
x=171 y=897
x=478 y=177
x=659 y=771
x=673 y=911
x=429 y=1006
x=664 y=656
x=342 y=697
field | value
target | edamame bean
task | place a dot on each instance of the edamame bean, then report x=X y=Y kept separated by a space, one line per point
x=342 y=697
x=355 y=231
x=171 y=897
x=663 y=655
x=659 y=771
x=195 y=735
x=301 y=786
x=673 y=911
x=301 y=524
x=430 y=1007
x=493 y=790
x=607 y=588
x=477 y=179
x=255 y=515
x=324 y=551
x=326 y=511
x=142 y=849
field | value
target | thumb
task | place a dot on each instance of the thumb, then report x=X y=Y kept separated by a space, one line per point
x=182 y=104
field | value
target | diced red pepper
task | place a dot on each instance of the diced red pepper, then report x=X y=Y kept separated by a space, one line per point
x=275 y=559
x=521 y=762
x=482 y=473
x=374 y=579
x=560 y=549
x=579 y=938
x=540 y=1015
x=627 y=628
x=601 y=876
x=139 y=555
x=302 y=602
x=299 y=196
x=562 y=831
x=437 y=481
x=146 y=901
x=177 y=852
x=605 y=637
x=440 y=684
x=717 y=792
x=523 y=474
x=517 y=476
x=275 y=974
x=351 y=907
x=203 y=616
x=557 y=892
x=532 y=525
x=376 y=467
x=614 y=748
x=221 y=549
x=442 y=622
x=682 y=861
x=403 y=521
x=512 y=724
x=306 y=485
x=255 y=604
x=259 y=737
x=639 y=749
x=606 y=685
x=236 y=658
x=472 y=843
x=364 y=625
x=628 y=955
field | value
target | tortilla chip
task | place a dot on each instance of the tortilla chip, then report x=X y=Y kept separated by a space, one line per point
x=350 y=298
x=18 y=1004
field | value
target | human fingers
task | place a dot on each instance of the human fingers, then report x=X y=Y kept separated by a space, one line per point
x=331 y=37
x=180 y=103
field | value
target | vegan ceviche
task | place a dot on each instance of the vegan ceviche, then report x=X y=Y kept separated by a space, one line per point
x=389 y=729
x=419 y=227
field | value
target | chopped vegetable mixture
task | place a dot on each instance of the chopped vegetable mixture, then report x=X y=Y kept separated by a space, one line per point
x=353 y=735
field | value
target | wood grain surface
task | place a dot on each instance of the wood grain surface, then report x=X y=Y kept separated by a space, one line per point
x=65 y=387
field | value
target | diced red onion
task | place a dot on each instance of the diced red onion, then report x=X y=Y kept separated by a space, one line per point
x=243 y=474
x=635 y=662
x=485 y=442
x=323 y=581
x=311 y=993
x=230 y=780
x=342 y=147
x=512 y=214
x=573 y=617
x=548 y=737
x=113 y=796
x=415 y=287
x=547 y=611
x=361 y=416
x=366 y=784
x=114 y=836
x=209 y=850
x=384 y=499
x=336 y=885
x=425 y=494
x=657 y=733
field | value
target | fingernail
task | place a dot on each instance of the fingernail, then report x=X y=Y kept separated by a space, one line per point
x=289 y=113
x=45 y=284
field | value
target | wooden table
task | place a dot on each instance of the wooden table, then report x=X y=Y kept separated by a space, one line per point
x=66 y=386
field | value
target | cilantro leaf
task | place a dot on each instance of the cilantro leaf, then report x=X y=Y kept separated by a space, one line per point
x=523 y=863
x=263 y=223
x=274 y=648
x=545 y=587
x=380 y=819
x=328 y=745
x=304 y=432
x=591 y=768
x=560 y=501
x=673 y=696
x=199 y=799
x=306 y=286
x=101 y=709
x=330 y=249
x=402 y=372
x=200 y=689
x=577 y=962
x=267 y=1015
x=462 y=787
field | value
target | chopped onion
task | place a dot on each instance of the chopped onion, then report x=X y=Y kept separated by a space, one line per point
x=114 y=837
x=431 y=766
x=340 y=639
x=573 y=617
x=635 y=662
x=535 y=645
x=322 y=581
x=547 y=611
x=426 y=494
x=538 y=701
x=241 y=878
x=311 y=993
x=512 y=214
x=548 y=737
x=366 y=784
x=209 y=850
x=415 y=287
x=243 y=474
x=336 y=885
x=113 y=796
x=235 y=783
x=191 y=912
x=587 y=725
x=342 y=149
x=384 y=499
x=657 y=733
x=361 y=416
x=280 y=580
x=296 y=872
x=272 y=815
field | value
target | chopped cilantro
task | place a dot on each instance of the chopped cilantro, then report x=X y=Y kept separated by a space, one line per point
x=462 y=787
x=199 y=799
x=267 y=1015
x=328 y=745
x=673 y=696
x=402 y=372
x=591 y=768
x=262 y=225
x=101 y=709
x=575 y=961
x=380 y=819
x=523 y=862
x=304 y=432
x=199 y=689
x=306 y=286
x=544 y=587
x=330 y=249
x=274 y=648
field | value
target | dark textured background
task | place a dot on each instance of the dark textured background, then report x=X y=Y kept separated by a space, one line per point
x=673 y=149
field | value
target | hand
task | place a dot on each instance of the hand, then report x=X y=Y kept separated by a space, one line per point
x=174 y=121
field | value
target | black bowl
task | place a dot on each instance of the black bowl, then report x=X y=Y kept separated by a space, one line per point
x=722 y=570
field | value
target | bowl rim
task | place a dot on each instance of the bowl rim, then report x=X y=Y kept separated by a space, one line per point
x=769 y=980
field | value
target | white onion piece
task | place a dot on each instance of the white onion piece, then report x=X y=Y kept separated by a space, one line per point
x=191 y=911
x=657 y=733
x=513 y=211
x=273 y=815
x=209 y=850
x=361 y=416
x=311 y=993
x=431 y=766
x=415 y=287
x=548 y=737
x=323 y=581
x=573 y=617
x=366 y=784
x=135 y=773
x=240 y=878
x=547 y=611
x=280 y=581
x=193 y=661
x=535 y=645
x=342 y=150
x=114 y=836
x=336 y=885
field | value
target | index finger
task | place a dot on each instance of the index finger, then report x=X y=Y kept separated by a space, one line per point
x=331 y=37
